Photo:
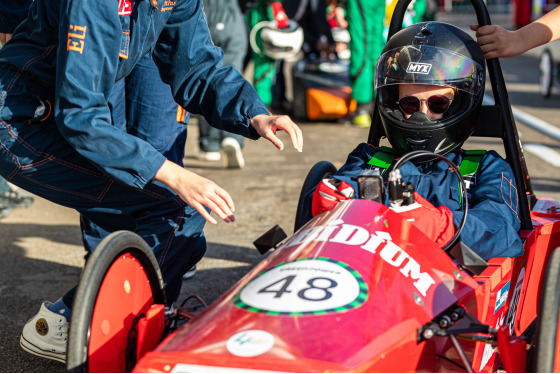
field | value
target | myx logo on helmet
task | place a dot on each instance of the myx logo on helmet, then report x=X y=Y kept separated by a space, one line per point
x=418 y=68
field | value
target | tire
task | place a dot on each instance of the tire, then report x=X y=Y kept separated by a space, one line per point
x=547 y=338
x=319 y=171
x=120 y=281
x=546 y=73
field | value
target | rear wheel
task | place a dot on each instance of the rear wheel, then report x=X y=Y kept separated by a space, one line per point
x=120 y=283
x=546 y=73
x=547 y=338
x=319 y=171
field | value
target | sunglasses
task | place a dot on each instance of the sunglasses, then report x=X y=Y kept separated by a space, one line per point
x=437 y=104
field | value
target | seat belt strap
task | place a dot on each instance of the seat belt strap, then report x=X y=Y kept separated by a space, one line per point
x=382 y=159
x=469 y=166
x=468 y=169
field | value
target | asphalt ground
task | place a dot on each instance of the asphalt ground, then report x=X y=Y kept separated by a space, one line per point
x=41 y=249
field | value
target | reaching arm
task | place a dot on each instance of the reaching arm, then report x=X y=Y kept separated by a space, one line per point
x=495 y=41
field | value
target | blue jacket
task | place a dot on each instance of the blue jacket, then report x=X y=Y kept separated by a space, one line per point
x=12 y=12
x=71 y=52
x=492 y=225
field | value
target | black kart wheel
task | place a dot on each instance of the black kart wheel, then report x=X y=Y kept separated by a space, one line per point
x=546 y=358
x=546 y=73
x=319 y=171
x=120 y=282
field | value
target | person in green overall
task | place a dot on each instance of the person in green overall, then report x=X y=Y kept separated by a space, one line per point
x=264 y=66
x=365 y=25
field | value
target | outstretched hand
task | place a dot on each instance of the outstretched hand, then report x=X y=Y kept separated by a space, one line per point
x=496 y=41
x=197 y=191
x=200 y=192
x=266 y=126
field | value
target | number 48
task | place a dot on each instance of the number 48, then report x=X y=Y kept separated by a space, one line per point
x=281 y=287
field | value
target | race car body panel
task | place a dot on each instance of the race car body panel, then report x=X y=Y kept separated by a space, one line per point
x=347 y=292
x=538 y=246
x=350 y=292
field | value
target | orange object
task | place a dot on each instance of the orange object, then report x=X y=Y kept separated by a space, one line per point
x=329 y=103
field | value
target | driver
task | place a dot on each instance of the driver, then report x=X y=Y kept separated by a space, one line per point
x=430 y=81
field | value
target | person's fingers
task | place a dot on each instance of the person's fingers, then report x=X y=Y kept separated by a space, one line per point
x=218 y=206
x=491 y=54
x=267 y=127
x=221 y=204
x=271 y=137
x=485 y=30
x=226 y=197
x=487 y=48
x=295 y=134
x=203 y=212
x=297 y=140
x=214 y=198
x=489 y=42
x=474 y=27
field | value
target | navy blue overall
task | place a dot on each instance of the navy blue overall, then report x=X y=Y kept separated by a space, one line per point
x=56 y=136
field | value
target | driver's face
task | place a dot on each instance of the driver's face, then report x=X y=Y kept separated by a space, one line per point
x=423 y=92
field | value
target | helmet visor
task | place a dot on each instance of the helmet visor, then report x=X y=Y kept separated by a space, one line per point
x=422 y=64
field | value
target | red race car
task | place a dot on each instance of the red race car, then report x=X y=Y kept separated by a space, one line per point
x=356 y=289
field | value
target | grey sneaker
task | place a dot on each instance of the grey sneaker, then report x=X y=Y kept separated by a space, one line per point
x=232 y=149
x=45 y=335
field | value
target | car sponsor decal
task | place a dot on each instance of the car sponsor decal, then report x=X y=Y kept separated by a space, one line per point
x=514 y=300
x=490 y=349
x=250 y=343
x=501 y=297
x=379 y=242
x=307 y=286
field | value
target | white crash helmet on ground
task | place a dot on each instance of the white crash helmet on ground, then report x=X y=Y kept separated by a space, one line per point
x=278 y=44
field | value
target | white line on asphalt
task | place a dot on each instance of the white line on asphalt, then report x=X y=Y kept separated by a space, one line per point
x=536 y=123
x=547 y=154
x=530 y=120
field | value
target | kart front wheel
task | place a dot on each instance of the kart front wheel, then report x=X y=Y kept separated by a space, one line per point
x=547 y=339
x=319 y=171
x=121 y=284
x=546 y=73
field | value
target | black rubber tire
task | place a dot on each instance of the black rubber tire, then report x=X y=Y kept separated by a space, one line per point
x=95 y=270
x=319 y=171
x=546 y=336
x=546 y=73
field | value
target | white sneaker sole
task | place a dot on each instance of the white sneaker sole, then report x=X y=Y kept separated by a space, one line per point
x=233 y=153
x=34 y=350
x=209 y=156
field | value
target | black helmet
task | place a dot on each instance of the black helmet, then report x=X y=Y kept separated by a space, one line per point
x=430 y=53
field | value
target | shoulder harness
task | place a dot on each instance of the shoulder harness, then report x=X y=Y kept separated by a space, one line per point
x=385 y=157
